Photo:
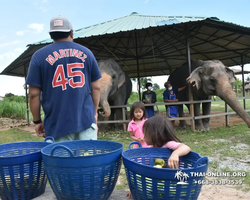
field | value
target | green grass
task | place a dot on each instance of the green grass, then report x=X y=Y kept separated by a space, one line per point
x=12 y=109
x=218 y=145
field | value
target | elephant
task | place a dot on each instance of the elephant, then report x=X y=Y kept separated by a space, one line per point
x=207 y=78
x=116 y=88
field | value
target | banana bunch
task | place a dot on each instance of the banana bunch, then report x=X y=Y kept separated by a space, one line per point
x=160 y=163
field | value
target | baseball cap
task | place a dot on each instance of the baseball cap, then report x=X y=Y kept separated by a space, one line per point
x=60 y=24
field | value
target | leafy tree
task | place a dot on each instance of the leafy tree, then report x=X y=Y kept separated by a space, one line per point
x=248 y=78
x=156 y=86
x=9 y=95
x=143 y=81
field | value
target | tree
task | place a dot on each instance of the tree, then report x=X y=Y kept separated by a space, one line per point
x=9 y=95
x=156 y=86
x=143 y=81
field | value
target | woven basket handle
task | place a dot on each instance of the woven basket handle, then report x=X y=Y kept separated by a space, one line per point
x=131 y=143
x=62 y=147
x=49 y=138
x=202 y=159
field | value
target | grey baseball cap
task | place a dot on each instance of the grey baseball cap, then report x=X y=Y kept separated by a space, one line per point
x=60 y=24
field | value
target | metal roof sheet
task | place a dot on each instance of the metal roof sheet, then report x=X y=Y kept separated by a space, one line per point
x=134 y=21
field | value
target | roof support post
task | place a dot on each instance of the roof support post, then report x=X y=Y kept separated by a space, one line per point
x=137 y=63
x=26 y=96
x=243 y=82
x=189 y=86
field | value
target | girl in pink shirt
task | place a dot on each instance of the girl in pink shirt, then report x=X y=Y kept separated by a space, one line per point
x=159 y=132
x=135 y=126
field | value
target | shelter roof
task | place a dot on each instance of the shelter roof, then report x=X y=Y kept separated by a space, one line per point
x=134 y=21
x=155 y=45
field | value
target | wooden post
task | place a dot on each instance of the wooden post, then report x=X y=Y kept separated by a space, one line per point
x=243 y=82
x=189 y=86
x=226 y=116
x=124 y=118
x=26 y=96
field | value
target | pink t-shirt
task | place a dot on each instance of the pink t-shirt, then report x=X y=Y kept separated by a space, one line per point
x=171 y=145
x=137 y=130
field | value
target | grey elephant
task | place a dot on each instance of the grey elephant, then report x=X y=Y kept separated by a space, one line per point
x=116 y=88
x=208 y=78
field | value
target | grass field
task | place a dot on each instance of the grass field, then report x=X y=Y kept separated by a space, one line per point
x=227 y=148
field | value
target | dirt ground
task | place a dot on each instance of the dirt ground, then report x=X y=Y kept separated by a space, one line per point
x=208 y=192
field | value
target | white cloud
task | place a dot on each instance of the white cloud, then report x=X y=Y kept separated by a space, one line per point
x=19 y=49
x=9 y=43
x=37 y=27
x=22 y=32
x=44 y=9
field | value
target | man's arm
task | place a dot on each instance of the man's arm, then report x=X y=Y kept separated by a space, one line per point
x=182 y=88
x=34 y=100
x=35 y=107
x=95 y=88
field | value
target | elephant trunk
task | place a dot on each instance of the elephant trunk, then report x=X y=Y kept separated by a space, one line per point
x=104 y=107
x=105 y=110
x=225 y=92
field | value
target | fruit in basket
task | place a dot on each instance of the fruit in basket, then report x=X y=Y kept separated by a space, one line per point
x=158 y=166
x=161 y=162
x=85 y=154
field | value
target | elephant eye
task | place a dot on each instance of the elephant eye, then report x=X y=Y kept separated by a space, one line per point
x=212 y=79
x=113 y=76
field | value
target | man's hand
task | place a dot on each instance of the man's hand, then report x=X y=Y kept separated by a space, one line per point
x=40 y=130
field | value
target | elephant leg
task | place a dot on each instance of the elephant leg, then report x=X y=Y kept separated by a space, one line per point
x=118 y=112
x=112 y=118
x=181 y=114
x=101 y=127
x=206 y=108
x=198 y=122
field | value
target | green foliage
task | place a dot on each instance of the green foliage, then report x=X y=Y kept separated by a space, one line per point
x=156 y=86
x=159 y=95
x=237 y=83
x=19 y=99
x=143 y=81
x=9 y=95
x=12 y=109
x=134 y=97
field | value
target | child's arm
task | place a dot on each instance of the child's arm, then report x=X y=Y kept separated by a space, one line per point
x=182 y=150
x=135 y=138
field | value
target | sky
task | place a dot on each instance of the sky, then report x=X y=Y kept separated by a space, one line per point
x=27 y=21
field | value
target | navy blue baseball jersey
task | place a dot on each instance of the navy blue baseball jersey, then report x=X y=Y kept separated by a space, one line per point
x=64 y=72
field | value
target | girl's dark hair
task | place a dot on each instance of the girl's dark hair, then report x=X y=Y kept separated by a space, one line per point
x=136 y=105
x=59 y=35
x=160 y=129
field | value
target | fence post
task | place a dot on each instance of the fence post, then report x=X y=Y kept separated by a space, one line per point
x=226 y=116
x=124 y=118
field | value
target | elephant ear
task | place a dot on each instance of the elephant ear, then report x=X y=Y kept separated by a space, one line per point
x=195 y=77
x=122 y=80
x=231 y=75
